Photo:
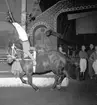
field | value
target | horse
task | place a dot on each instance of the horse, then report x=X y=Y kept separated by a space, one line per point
x=73 y=68
x=47 y=61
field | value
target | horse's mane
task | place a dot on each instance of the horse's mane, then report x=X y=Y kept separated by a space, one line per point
x=17 y=43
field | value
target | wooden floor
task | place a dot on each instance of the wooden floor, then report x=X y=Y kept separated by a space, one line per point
x=13 y=92
x=83 y=93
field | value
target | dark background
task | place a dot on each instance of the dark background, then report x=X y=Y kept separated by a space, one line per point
x=45 y=4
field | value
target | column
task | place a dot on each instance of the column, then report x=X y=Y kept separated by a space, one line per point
x=23 y=13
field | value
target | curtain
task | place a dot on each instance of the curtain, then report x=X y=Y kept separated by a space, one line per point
x=66 y=28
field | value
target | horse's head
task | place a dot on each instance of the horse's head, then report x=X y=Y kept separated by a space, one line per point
x=14 y=51
x=48 y=33
x=10 y=59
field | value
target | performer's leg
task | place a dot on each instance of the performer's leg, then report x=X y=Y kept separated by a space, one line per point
x=26 y=48
x=83 y=67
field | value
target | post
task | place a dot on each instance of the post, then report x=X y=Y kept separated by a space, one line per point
x=23 y=13
x=23 y=23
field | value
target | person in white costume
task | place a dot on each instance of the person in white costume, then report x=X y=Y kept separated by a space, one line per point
x=25 y=42
x=24 y=38
x=93 y=59
x=83 y=60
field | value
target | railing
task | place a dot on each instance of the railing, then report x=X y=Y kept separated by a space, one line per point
x=3 y=58
x=3 y=54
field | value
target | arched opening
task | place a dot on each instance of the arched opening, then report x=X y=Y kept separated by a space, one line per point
x=40 y=40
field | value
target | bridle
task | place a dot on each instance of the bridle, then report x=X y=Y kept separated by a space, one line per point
x=13 y=52
x=13 y=47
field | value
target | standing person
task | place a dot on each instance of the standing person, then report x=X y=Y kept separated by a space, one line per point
x=90 y=68
x=83 y=60
x=93 y=59
x=91 y=50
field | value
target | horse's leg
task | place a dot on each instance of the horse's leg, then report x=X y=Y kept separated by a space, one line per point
x=21 y=75
x=55 y=82
x=60 y=81
x=57 y=77
x=66 y=73
x=61 y=78
x=29 y=76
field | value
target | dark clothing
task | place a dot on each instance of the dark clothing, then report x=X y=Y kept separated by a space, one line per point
x=65 y=49
x=92 y=58
x=83 y=54
x=89 y=52
x=90 y=69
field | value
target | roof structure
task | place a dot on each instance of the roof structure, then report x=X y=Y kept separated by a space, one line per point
x=72 y=6
x=49 y=16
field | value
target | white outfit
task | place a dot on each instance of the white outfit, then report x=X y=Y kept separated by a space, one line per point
x=83 y=65
x=60 y=49
x=95 y=66
x=23 y=36
x=25 y=42
x=22 y=33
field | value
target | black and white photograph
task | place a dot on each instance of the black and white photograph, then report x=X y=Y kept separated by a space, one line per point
x=48 y=52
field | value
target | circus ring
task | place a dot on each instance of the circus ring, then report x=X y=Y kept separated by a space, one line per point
x=7 y=79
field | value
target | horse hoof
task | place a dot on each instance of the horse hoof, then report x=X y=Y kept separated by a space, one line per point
x=58 y=87
x=52 y=89
x=36 y=90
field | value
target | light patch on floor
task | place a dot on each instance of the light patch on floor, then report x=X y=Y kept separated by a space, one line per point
x=11 y=82
x=16 y=82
